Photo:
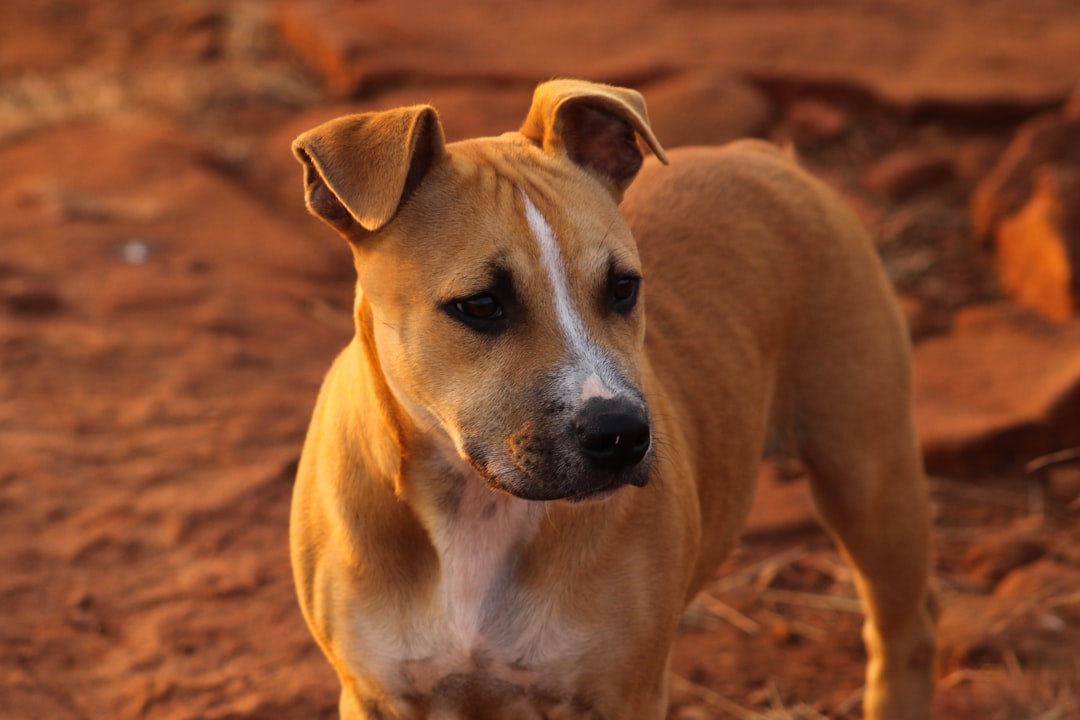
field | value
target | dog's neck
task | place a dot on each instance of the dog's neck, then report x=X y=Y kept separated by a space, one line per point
x=479 y=534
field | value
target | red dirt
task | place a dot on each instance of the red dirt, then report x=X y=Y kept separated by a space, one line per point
x=167 y=311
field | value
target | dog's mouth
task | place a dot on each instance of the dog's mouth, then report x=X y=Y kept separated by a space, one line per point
x=526 y=489
x=576 y=484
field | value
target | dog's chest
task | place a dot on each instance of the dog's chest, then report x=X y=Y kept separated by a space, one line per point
x=477 y=546
x=479 y=638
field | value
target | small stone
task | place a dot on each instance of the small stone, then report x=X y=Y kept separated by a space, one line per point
x=781 y=631
x=135 y=251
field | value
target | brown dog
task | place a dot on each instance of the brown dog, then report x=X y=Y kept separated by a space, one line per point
x=463 y=540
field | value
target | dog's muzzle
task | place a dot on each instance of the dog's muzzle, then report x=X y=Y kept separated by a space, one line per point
x=604 y=445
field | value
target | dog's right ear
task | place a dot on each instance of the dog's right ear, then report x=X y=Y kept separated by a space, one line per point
x=595 y=126
x=360 y=169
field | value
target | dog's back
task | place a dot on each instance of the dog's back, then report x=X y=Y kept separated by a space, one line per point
x=777 y=330
x=771 y=316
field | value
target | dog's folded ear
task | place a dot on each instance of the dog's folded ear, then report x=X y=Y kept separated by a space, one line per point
x=360 y=169
x=595 y=125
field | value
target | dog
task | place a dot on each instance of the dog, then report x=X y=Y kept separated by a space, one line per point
x=516 y=478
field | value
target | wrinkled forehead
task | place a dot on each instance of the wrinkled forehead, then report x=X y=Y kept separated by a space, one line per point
x=506 y=185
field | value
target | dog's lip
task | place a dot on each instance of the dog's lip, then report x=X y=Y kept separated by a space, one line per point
x=514 y=481
x=595 y=494
x=598 y=493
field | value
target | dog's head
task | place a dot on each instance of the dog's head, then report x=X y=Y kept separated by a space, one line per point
x=498 y=285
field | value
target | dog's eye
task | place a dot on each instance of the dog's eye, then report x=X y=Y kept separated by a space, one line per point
x=480 y=307
x=480 y=312
x=624 y=292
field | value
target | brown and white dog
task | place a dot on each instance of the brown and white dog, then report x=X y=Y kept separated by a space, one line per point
x=513 y=482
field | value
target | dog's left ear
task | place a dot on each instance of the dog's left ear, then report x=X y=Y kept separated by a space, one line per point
x=594 y=125
x=360 y=169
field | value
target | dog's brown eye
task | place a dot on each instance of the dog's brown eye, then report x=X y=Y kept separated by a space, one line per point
x=624 y=288
x=482 y=312
x=479 y=307
x=624 y=292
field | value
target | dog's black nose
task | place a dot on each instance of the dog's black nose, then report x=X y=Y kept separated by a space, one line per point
x=613 y=433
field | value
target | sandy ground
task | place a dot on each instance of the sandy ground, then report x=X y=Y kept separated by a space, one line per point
x=167 y=310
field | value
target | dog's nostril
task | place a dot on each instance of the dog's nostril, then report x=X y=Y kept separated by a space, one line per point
x=613 y=433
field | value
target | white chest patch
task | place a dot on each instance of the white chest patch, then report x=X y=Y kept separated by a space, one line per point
x=475 y=546
x=477 y=622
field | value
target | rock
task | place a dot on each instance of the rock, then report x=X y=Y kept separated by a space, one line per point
x=362 y=49
x=993 y=556
x=1003 y=192
x=816 y=122
x=903 y=173
x=1001 y=389
x=1037 y=250
x=706 y=108
x=352 y=47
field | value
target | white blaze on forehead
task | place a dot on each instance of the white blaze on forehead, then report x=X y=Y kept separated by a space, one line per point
x=587 y=356
x=569 y=320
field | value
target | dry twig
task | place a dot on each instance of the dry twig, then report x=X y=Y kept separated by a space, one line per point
x=812 y=600
x=715 y=700
x=746 y=575
x=727 y=613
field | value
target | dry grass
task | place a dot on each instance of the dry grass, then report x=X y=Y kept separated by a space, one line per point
x=1017 y=693
x=768 y=594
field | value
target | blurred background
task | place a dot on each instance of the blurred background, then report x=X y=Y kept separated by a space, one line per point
x=167 y=310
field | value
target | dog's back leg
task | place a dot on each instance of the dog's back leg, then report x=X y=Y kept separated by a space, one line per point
x=856 y=434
